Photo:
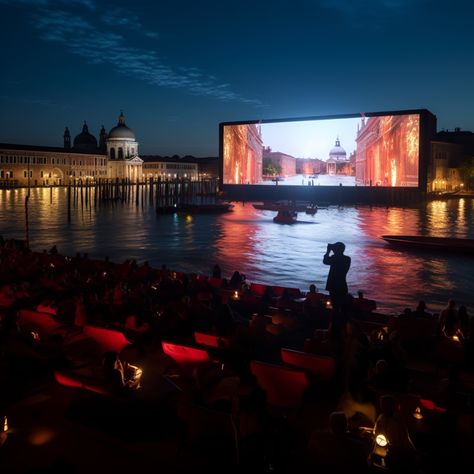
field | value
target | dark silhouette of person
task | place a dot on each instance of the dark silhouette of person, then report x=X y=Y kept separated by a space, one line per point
x=339 y=266
x=216 y=271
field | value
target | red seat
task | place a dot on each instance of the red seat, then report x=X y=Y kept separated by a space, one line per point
x=283 y=386
x=212 y=340
x=278 y=290
x=215 y=282
x=75 y=381
x=323 y=367
x=43 y=323
x=108 y=340
x=185 y=355
x=258 y=289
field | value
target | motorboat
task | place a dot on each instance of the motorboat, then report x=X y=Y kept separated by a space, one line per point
x=285 y=216
x=445 y=244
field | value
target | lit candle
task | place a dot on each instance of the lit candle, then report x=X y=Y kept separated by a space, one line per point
x=418 y=414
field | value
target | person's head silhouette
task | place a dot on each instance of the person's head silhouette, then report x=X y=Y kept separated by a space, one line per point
x=338 y=248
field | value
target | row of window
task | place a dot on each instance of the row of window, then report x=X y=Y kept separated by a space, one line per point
x=39 y=160
x=170 y=166
x=9 y=174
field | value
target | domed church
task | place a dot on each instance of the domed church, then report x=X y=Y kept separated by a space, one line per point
x=337 y=159
x=122 y=151
x=120 y=146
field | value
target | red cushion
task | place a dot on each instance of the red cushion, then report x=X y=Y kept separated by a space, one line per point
x=108 y=340
x=284 y=387
x=321 y=366
x=185 y=355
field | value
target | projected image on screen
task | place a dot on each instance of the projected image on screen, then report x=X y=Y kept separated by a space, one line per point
x=363 y=151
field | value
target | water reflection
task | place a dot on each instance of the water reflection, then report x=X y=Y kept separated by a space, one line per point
x=248 y=240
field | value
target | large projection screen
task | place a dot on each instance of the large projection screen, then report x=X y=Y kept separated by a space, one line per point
x=370 y=150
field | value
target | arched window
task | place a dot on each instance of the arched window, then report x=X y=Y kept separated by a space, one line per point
x=120 y=153
x=112 y=153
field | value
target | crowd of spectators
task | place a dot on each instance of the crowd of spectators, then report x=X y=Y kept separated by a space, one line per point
x=375 y=355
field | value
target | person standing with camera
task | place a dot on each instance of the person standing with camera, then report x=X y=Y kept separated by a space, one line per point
x=336 y=283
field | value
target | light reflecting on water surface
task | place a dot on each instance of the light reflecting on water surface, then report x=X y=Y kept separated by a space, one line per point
x=249 y=241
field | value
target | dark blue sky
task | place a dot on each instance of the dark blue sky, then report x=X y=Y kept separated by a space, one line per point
x=178 y=68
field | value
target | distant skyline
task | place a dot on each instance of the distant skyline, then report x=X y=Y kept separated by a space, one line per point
x=178 y=69
x=312 y=138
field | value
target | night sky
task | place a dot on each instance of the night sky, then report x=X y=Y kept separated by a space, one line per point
x=178 y=68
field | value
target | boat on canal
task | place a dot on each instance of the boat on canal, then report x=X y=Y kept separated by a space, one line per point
x=285 y=216
x=419 y=242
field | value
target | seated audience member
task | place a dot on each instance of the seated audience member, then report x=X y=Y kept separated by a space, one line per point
x=236 y=280
x=119 y=376
x=407 y=314
x=216 y=271
x=313 y=299
x=449 y=319
x=390 y=423
x=336 y=449
x=362 y=305
x=420 y=311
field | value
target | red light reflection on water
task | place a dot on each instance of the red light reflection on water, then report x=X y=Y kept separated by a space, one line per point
x=239 y=234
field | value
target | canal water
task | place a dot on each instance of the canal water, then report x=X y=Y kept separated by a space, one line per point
x=248 y=240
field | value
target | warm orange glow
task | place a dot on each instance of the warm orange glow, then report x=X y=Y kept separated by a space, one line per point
x=418 y=414
x=381 y=440
x=5 y=423
x=456 y=338
x=42 y=436
x=236 y=295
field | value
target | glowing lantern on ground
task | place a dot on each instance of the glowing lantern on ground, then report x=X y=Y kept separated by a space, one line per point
x=418 y=414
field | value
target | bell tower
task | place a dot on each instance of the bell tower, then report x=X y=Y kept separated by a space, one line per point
x=67 y=138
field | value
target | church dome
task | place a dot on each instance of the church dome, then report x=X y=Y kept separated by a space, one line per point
x=121 y=131
x=338 y=151
x=85 y=140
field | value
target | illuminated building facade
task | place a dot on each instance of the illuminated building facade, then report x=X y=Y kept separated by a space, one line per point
x=23 y=165
x=165 y=170
x=286 y=163
x=242 y=154
x=338 y=163
x=83 y=159
x=122 y=152
x=388 y=151
x=310 y=166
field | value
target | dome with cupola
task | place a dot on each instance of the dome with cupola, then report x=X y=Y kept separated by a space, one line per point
x=85 y=140
x=121 y=131
x=337 y=152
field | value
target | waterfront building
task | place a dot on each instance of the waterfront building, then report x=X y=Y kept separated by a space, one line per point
x=452 y=161
x=23 y=165
x=169 y=168
x=285 y=163
x=84 y=159
x=122 y=153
